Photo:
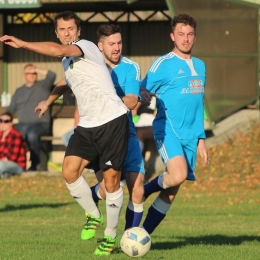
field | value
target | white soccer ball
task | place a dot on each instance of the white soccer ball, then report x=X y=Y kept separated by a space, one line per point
x=135 y=242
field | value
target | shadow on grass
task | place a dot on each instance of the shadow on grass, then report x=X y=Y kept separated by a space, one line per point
x=9 y=207
x=219 y=240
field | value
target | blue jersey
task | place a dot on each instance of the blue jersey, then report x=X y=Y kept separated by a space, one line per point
x=126 y=78
x=179 y=85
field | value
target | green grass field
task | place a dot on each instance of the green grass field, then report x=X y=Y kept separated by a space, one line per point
x=217 y=217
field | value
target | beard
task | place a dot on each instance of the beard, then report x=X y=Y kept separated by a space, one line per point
x=110 y=59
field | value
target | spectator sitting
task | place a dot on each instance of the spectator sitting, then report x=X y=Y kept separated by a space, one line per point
x=12 y=148
x=24 y=101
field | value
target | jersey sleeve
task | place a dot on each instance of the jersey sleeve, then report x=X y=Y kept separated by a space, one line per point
x=154 y=78
x=90 y=51
x=133 y=80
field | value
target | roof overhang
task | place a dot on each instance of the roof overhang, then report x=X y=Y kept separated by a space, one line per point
x=41 y=6
x=250 y=3
x=81 y=5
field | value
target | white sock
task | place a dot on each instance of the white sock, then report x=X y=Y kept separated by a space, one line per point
x=160 y=181
x=161 y=206
x=114 y=203
x=135 y=207
x=81 y=192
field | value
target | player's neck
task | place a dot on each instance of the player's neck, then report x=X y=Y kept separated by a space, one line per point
x=111 y=65
x=186 y=56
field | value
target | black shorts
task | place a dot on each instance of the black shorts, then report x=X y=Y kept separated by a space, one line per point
x=107 y=143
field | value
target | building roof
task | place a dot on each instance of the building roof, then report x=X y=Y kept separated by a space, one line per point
x=88 y=6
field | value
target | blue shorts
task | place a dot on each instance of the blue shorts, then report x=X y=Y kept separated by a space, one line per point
x=170 y=146
x=134 y=161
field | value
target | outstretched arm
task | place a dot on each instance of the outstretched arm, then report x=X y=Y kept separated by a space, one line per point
x=58 y=91
x=47 y=48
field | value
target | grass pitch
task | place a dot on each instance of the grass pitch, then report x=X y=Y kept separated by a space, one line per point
x=215 y=218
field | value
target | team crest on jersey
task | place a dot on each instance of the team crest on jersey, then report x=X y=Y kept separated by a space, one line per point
x=195 y=87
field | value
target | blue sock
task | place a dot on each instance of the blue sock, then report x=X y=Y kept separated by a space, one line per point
x=153 y=219
x=94 y=194
x=132 y=218
x=152 y=187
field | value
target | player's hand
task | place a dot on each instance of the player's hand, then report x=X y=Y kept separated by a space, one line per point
x=146 y=96
x=203 y=151
x=41 y=108
x=12 y=41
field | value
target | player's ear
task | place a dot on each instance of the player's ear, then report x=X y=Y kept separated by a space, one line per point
x=172 y=36
x=56 y=34
x=100 y=46
x=79 y=31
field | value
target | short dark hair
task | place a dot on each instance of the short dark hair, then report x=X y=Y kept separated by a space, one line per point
x=107 y=30
x=8 y=114
x=66 y=16
x=185 y=19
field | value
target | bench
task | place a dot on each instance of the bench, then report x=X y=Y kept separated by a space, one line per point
x=54 y=143
x=46 y=147
x=54 y=147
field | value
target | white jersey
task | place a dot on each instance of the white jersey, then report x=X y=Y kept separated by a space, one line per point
x=91 y=83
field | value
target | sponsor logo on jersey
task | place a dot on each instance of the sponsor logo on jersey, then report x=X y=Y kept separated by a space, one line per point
x=195 y=87
x=180 y=71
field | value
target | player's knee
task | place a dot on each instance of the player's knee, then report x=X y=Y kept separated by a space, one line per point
x=176 y=179
x=70 y=174
x=112 y=184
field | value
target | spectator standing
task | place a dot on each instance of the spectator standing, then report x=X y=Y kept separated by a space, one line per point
x=12 y=148
x=24 y=101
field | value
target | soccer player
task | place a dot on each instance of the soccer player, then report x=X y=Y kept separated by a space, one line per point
x=178 y=80
x=103 y=128
x=126 y=78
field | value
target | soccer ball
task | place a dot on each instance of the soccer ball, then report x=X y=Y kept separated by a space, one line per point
x=135 y=242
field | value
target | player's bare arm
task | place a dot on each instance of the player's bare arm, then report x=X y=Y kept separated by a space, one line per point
x=47 y=48
x=60 y=88
x=130 y=101
x=203 y=151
